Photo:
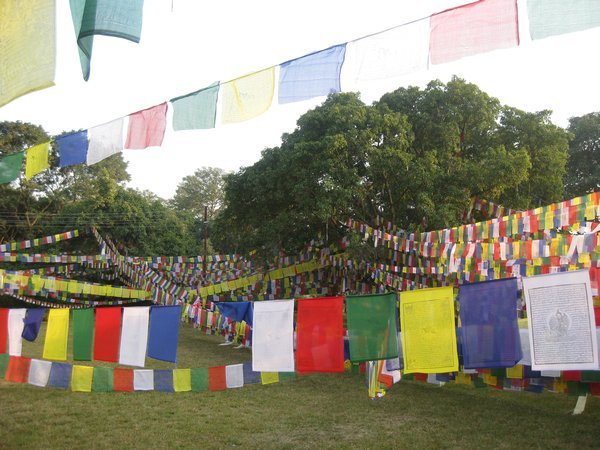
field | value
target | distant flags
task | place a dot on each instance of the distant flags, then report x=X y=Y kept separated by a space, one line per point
x=553 y=17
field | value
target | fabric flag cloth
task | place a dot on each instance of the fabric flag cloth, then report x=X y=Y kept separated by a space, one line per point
x=83 y=334
x=428 y=331
x=134 y=336
x=164 y=332
x=553 y=17
x=237 y=311
x=104 y=17
x=143 y=380
x=489 y=326
x=234 y=376
x=269 y=377
x=72 y=148
x=39 y=372
x=313 y=75
x=4 y=312
x=147 y=127
x=197 y=110
x=10 y=166
x=37 y=159
x=217 y=378
x=320 y=335
x=250 y=376
x=182 y=380
x=103 y=379
x=199 y=378
x=372 y=331
x=247 y=97
x=32 y=324
x=4 y=358
x=163 y=381
x=107 y=334
x=16 y=323
x=273 y=336
x=27 y=47
x=57 y=334
x=18 y=369
x=104 y=140
x=123 y=379
x=60 y=375
x=81 y=380
x=392 y=53
x=474 y=28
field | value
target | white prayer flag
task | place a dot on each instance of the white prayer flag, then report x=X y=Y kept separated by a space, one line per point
x=143 y=380
x=39 y=372
x=15 y=330
x=105 y=140
x=134 y=336
x=273 y=336
x=234 y=376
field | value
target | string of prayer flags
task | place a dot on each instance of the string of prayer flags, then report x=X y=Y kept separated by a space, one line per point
x=313 y=75
x=247 y=97
x=15 y=330
x=104 y=17
x=489 y=328
x=273 y=336
x=474 y=28
x=27 y=47
x=104 y=140
x=134 y=336
x=57 y=333
x=72 y=148
x=107 y=334
x=81 y=380
x=10 y=167
x=164 y=332
x=197 y=110
x=320 y=335
x=143 y=380
x=372 y=331
x=428 y=331
x=560 y=316
x=3 y=329
x=39 y=372
x=147 y=127
x=83 y=334
x=32 y=323
x=37 y=159
x=553 y=17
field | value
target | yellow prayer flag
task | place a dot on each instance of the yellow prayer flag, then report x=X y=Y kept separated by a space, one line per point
x=81 y=378
x=428 y=330
x=182 y=380
x=37 y=159
x=269 y=377
x=57 y=332
x=515 y=371
x=247 y=97
x=463 y=378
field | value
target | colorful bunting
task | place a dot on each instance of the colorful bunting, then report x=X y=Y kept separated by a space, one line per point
x=553 y=17
x=273 y=336
x=164 y=332
x=57 y=333
x=247 y=97
x=10 y=167
x=72 y=148
x=83 y=334
x=147 y=127
x=107 y=334
x=134 y=336
x=104 y=140
x=197 y=110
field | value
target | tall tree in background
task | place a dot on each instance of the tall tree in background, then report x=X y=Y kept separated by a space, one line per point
x=583 y=175
x=203 y=188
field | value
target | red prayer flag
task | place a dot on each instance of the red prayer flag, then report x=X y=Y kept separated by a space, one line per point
x=571 y=375
x=18 y=369
x=595 y=389
x=123 y=380
x=597 y=315
x=147 y=127
x=217 y=380
x=320 y=335
x=474 y=28
x=107 y=334
x=3 y=329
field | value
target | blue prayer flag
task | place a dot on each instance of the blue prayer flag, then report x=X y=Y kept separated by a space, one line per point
x=250 y=376
x=60 y=375
x=237 y=311
x=164 y=332
x=33 y=321
x=163 y=381
x=72 y=148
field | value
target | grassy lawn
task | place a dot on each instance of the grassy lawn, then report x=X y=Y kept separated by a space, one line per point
x=312 y=411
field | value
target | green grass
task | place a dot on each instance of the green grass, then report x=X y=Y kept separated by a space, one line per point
x=313 y=411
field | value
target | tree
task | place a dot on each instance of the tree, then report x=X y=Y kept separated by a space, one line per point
x=203 y=188
x=583 y=173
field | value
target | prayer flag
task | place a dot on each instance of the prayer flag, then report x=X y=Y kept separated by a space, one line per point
x=269 y=377
x=372 y=331
x=123 y=379
x=16 y=324
x=10 y=166
x=27 y=47
x=104 y=17
x=3 y=329
x=147 y=127
x=39 y=372
x=234 y=376
x=83 y=334
x=197 y=110
x=81 y=380
x=103 y=379
x=104 y=140
x=134 y=336
x=237 y=311
x=72 y=148
x=33 y=321
x=143 y=380
x=320 y=335
x=37 y=159
x=164 y=332
x=217 y=380
x=490 y=331
x=552 y=17
x=57 y=333
x=313 y=75
x=428 y=331
x=60 y=375
x=182 y=380
x=474 y=28
x=273 y=336
x=247 y=97
x=199 y=379
x=18 y=369
x=250 y=376
x=4 y=357
x=163 y=381
x=107 y=334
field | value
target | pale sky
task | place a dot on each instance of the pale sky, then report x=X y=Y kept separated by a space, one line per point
x=188 y=44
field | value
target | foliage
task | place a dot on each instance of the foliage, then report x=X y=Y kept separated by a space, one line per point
x=583 y=175
x=202 y=189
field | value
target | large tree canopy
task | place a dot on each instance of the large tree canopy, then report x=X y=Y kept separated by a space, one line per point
x=583 y=175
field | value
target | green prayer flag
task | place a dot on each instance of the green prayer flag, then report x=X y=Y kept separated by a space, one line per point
x=553 y=17
x=10 y=167
x=197 y=110
x=199 y=379
x=3 y=364
x=83 y=334
x=372 y=330
x=103 y=379
x=575 y=388
x=284 y=376
x=590 y=375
